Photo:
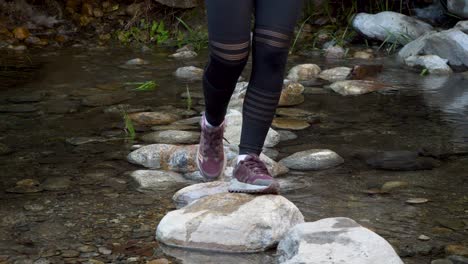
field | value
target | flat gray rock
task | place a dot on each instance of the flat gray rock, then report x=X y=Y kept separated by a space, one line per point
x=156 y=179
x=314 y=159
x=194 y=192
x=172 y=137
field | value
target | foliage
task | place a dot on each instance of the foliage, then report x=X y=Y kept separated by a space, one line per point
x=189 y=98
x=144 y=86
x=197 y=38
x=129 y=128
x=144 y=32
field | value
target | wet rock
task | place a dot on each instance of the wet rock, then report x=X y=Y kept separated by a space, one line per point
x=454 y=48
x=356 y=87
x=156 y=179
x=194 y=192
x=137 y=61
x=458 y=250
x=56 y=183
x=18 y=48
x=400 y=161
x=424 y=238
x=336 y=74
x=174 y=127
x=293 y=112
x=232 y=132
x=286 y=135
x=335 y=240
x=188 y=121
x=462 y=25
x=454 y=224
x=105 y=99
x=172 y=137
x=169 y=157
x=441 y=261
x=18 y=108
x=458 y=7
x=433 y=63
x=392 y=185
x=69 y=253
x=4 y=149
x=33 y=207
x=26 y=186
x=417 y=200
x=289 y=123
x=275 y=168
x=26 y=98
x=77 y=141
x=335 y=52
x=313 y=159
x=193 y=95
x=187 y=47
x=364 y=71
x=61 y=106
x=153 y=118
x=363 y=55
x=271 y=153
x=458 y=259
x=291 y=94
x=189 y=73
x=234 y=219
x=184 y=55
x=179 y=3
x=390 y=26
x=304 y=72
x=87 y=249
x=315 y=90
x=21 y=33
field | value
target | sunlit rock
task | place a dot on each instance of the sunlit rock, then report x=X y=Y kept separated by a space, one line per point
x=303 y=72
x=314 y=159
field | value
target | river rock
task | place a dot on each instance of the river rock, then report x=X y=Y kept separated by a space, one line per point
x=365 y=55
x=26 y=186
x=451 y=45
x=275 y=168
x=105 y=99
x=56 y=183
x=335 y=52
x=194 y=192
x=304 y=72
x=234 y=218
x=21 y=33
x=291 y=94
x=233 y=121
x=286 y=135
x=292 y=112
x=462 y=25
x=188 y=54
x=458 y=7
x=458 y=259
x=156 y=179
x=153 y=118
x=400 y=161
x=179 y=3
x=356 y=87
x=178 y=158
x=335 y=74
x=433 y=63
x=172 y=137
x=390 y=26
x=393 y=185
x=458 y=250
x=191 y=73
x=76 y=141
x=289 y=123
x=137 y=61
x=335 y=240
x=188 y=121
x=313 y=159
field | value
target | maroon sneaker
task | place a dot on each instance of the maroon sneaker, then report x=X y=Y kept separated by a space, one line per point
x=251 y=176
x=210 y=154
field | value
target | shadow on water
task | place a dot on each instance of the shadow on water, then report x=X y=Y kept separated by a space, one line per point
x=424 y=114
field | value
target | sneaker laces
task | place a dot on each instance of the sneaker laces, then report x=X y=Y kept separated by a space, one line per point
x=254 y=163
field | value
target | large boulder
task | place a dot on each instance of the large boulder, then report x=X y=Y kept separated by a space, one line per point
x=458 y=7
x=335 y=240
x=230 y=222
x=179 y=3
x=390 y=26
x=451 y=45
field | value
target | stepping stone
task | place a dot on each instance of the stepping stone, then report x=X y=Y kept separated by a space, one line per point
x=153 y=118
x=289 y=123
x=336 y=74
x=335 y=240
x=313 y=159
x=157 y=179
x=356 y=87
x=172 y=137
x=230 y=222
x=194 y=192
x=191 y=73
x=304 y=72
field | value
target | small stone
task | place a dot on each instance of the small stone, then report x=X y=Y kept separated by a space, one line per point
x=153 y=118
x=76 y=141
x=363 y=55
x=417 y=200
x=433 y=63
x=392 y=185
x=271 y=153
x=458 y=259
x=336 y=74
x=104 y=251
x=356 y=87
x=21 y=33
x=335 y=52
x=291 y=94
x=458 y=250
x=424 y=238
x=313 y=159
x=87 y=249
x=189 y=72
x=34 y=207
x=441 y=261
x=289 y=123
x=172 y=137
x=365 y=71
x=56 y=183
x=69 y=253
x=137 y=61
x=184 y=55
x=304 y=72
x=26 y=186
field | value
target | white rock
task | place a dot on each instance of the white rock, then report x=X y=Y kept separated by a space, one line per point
x=194 y=192
x=450 y=44
x=137 y=61
x=390 y=26
x=156 y=179
x=458 y=7
x=232 y=133
x=335 y=52
x=186 y=54
x=189 y=73
x=433 y=63
x=335 y=240
x=304 y=72
x=230 y=222
x=335 y=74
x=462 y=25
x=313 y=159
x=355 y=87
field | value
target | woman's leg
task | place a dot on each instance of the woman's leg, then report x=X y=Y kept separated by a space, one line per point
x=274 y=27
x=229 y=41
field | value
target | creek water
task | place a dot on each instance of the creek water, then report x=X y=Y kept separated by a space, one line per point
x=98 y=205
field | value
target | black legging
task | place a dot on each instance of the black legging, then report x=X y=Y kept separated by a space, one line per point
x=229 y=35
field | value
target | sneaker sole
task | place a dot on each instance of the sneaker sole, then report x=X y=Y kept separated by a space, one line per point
x=209 y=178
x=241 y=187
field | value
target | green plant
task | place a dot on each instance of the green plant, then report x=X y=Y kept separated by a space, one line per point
x=394 y=40
x=143 y=86
x=129 y=128
x=144 y=32
x=198 y=39
x=158 y=32
x=424 y=72
x=189 y=98
x=297 y=35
